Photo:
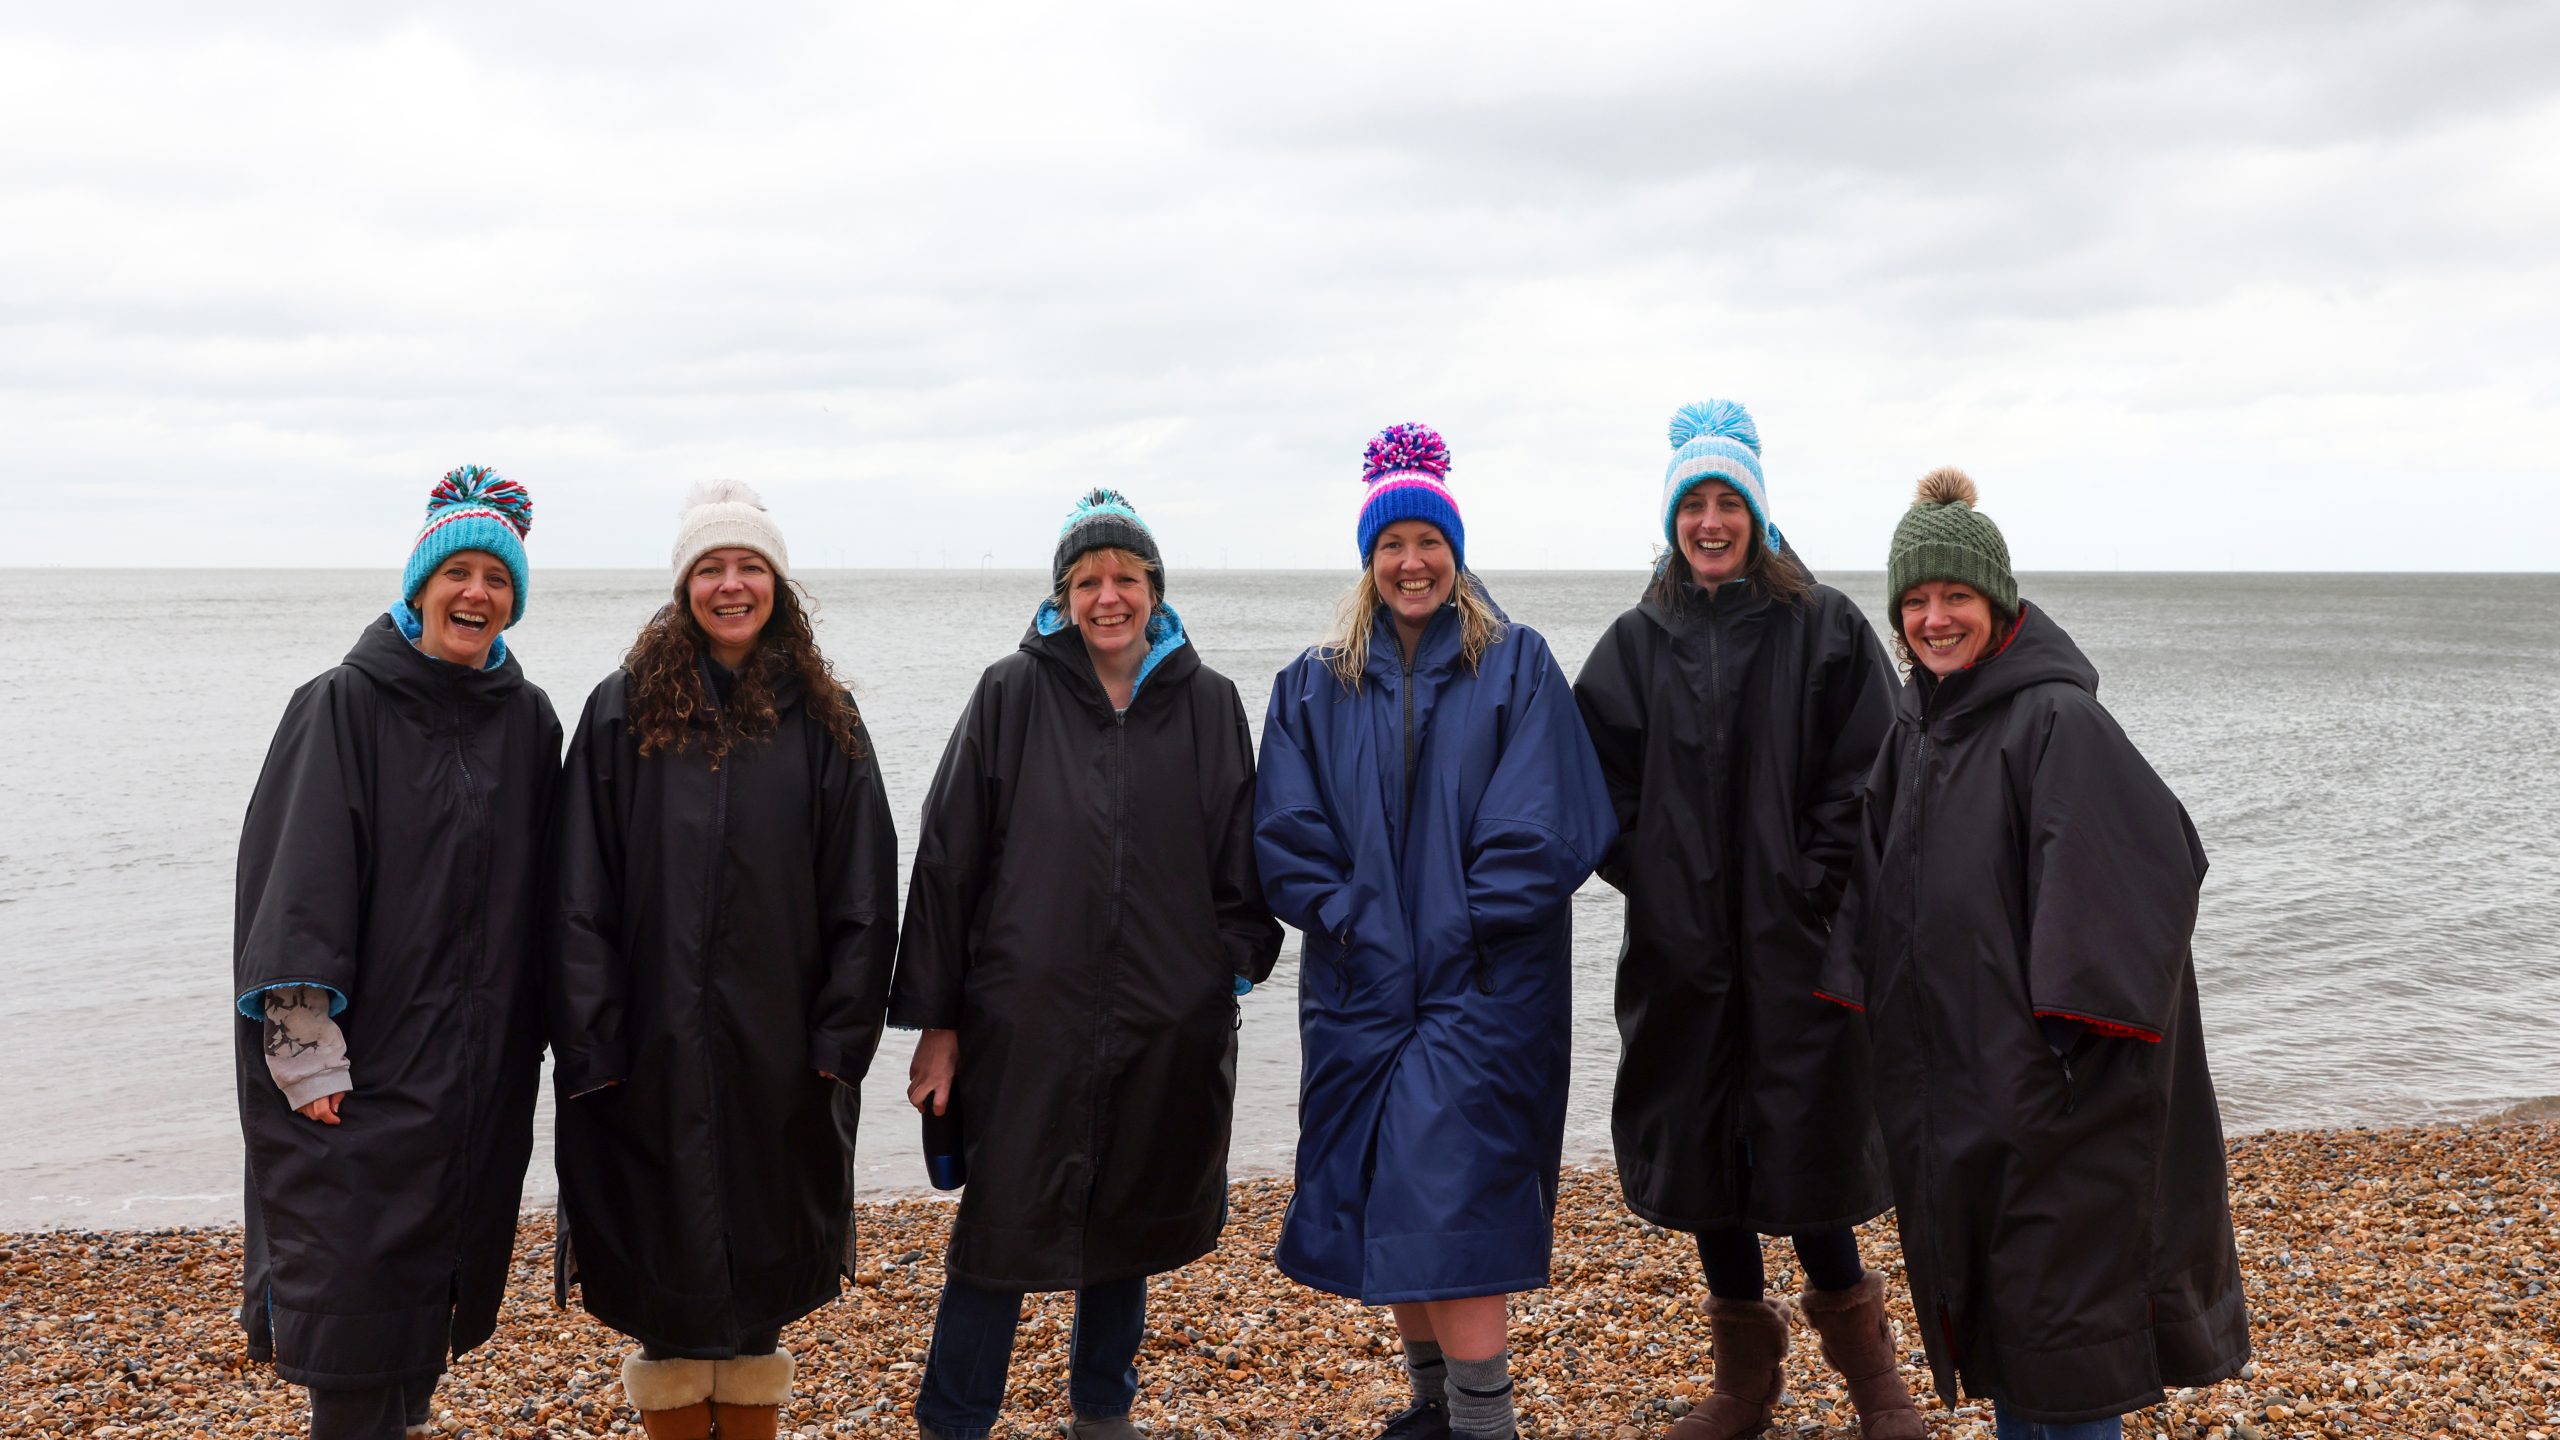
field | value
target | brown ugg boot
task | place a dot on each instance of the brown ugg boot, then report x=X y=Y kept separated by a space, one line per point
x=1750 y=1339
x=1859 y=1344
x=672 y=1396
x=747 y=1394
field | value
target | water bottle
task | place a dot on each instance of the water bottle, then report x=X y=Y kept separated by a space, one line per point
x=944 y=1163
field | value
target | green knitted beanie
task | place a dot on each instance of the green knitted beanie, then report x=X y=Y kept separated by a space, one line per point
x=1942 y=537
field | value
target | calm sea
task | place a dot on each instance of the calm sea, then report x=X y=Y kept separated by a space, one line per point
x=2374 y=762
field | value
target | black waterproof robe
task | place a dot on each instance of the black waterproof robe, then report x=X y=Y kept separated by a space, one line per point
x=2064 y=1217
x=1084 y=900
x=1735 y=732
x=726 y=935
x=393 y=854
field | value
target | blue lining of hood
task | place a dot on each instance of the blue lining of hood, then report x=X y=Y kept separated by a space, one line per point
x=412 y=625
x=1164 y=636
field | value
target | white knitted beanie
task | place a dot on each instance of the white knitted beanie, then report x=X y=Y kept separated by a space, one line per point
x=722 y=513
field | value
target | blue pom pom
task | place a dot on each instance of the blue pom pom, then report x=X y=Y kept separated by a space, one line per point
x=1714 y=417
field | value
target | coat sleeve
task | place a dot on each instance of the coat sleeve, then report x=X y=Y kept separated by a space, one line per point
x=1610 y=693
x=585 y=980
x=2113 y=873
x=1852 y=713
x=304 y=849
x=1246 y=930
x=1305 y=868
x=1544 y=820
x=955 y=853
x=1845 y=963
x=857 y=908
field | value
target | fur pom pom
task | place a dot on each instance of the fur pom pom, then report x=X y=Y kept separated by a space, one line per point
x=1945 y=485
x=722 y=492
x=1405 y=447
x=1714 y=417
x=478 y=485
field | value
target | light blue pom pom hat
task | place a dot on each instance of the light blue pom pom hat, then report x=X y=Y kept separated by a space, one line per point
x=1715 y=440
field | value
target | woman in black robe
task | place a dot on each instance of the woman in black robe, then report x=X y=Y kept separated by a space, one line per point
x=728 y=877
x=384 y=964
x=1736 y=711
x=1083 y=915
x=2018 y=937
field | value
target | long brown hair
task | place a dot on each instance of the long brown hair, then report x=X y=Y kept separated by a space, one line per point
x=1776 y=572
x=670 y=692
x=1346 y=650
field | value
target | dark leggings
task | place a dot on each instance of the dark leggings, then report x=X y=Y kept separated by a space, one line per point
x=374 y=1412
x=1732 y=1258
x=762 y=1343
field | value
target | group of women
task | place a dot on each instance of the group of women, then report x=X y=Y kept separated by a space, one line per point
x=1919 y=945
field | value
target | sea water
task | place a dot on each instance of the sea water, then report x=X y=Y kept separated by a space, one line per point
x=2373 y=762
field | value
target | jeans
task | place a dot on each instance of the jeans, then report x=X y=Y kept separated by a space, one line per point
x=375 y=1412
x=2010 y=1427
x=964 y=1372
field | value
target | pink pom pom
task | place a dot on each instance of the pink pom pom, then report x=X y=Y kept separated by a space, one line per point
x=1402 y=448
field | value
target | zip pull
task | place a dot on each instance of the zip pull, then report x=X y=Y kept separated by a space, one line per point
x=2070 y=1101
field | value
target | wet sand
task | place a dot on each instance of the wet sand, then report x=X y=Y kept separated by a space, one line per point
x=2401 y=1283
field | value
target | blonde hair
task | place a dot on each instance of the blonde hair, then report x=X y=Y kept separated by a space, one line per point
x=1129 y=559
x=1346 y=650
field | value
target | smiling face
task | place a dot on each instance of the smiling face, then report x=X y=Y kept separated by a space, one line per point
x=731 y=594
x=1109 y=598
x=1947 y=624
x=463 y=606
x=1713 y=528
x=1415 y=571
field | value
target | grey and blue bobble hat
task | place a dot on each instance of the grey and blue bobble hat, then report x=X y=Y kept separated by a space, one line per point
x=1104 y=520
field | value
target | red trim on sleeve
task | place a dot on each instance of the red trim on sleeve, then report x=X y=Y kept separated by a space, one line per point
x=1836 y=1000
x=2104 y=1027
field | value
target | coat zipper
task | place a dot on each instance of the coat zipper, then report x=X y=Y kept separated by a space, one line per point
x=1919 y=783
x=472 y=1018
x=1110 y=952
x=1739 y=1030
x=710 y=1028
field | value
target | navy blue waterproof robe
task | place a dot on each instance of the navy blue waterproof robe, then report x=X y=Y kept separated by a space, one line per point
x=1427 y=831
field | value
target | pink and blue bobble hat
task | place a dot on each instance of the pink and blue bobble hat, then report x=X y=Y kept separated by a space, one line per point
x=1407 y=471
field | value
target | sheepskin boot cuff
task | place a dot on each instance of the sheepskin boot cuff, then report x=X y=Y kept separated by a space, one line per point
x=1857 y=1341
x=664 y=1384
x=752 y=1379
x=1750 y=1341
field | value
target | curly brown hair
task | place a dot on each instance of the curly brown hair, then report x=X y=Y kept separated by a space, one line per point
x=670 y=692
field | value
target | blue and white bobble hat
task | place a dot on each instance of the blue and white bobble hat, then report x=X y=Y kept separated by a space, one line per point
x=1715 y=440
x=473 y=508
x=1104 y=520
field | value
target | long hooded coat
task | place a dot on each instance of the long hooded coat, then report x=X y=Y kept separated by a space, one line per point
x=726 y=934
x=1735 y=731
x=1083 y=903
x=1427 y=832
x=2063 y=1216
x=393 y=854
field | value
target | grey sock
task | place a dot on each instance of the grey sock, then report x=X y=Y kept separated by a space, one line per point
x=1480 y=1398
x=1429 y=1372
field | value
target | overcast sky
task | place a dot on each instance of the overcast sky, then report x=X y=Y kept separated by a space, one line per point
x=2184 y=286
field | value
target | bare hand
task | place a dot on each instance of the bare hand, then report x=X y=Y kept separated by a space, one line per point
x=324 y=1109
x=929 y=1074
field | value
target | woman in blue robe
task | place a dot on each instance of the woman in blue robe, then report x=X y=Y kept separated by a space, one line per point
x=1426 y=805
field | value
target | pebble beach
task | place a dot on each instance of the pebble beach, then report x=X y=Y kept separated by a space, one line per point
x=2400 y=1281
